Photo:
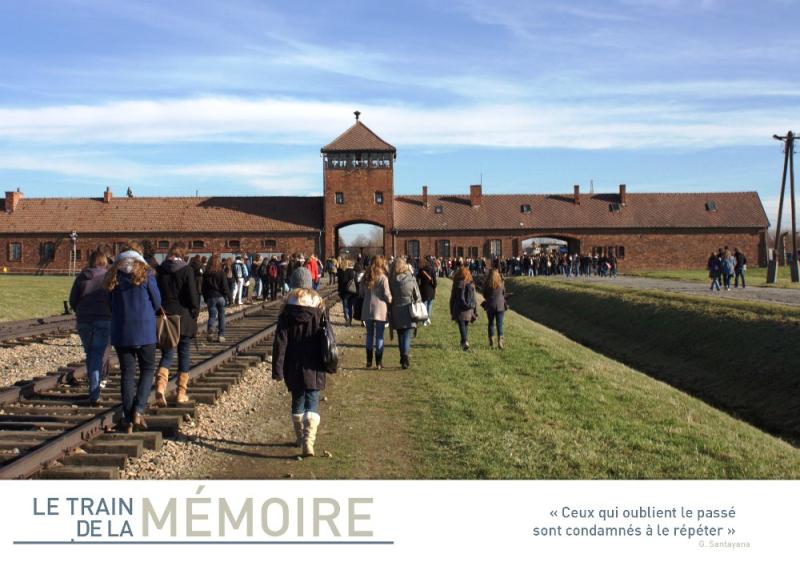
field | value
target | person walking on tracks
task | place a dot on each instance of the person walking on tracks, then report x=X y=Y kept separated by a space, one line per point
x=405 y=291
x=217 y=294
x=134 y=301
x=178 y=297
x=375 y=308
x=240 y=275
x=462 y=303
x=92 y=306
x=494 y=293
x=297 y=356
x=348 y=289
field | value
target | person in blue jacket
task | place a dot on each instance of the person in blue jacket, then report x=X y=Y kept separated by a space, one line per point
x=134 y=301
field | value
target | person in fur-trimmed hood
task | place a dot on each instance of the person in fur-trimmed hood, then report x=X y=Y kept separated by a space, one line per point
x=297 y=356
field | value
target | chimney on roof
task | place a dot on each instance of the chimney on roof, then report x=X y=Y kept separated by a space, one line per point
x=130 y=192
x=425 y=196
x=576 y=194
x=622 y=193
x=107 y=195
x=12 y=200
x=475 y=192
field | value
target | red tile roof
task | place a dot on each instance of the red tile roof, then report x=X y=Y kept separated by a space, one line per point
x=558 y=212
x=165 y=214
x=358 y=138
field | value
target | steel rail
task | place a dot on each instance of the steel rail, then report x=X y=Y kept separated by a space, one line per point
x=33 y=461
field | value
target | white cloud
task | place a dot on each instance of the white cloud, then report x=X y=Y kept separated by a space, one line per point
x=286 y=121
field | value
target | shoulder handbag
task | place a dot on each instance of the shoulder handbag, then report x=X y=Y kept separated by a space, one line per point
x=330 y=351
x=168 y=330
x=350 y=287
x=419 y=312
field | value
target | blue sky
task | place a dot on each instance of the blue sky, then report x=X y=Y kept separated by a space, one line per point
x=237 y=97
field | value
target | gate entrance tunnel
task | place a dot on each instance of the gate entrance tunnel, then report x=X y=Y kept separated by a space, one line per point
x=359 y=240
x=540 y=245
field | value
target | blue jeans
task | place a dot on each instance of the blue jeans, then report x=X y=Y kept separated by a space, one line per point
x=184 y=357
x=216 y=313
x=348 y=301
x=94 y=337
x=404 y=341
x=462 y=329
x=429 y=306
x=715 y=283
x=135 y=393
x=495 y=318
x=375 y=332
x=739 y=273
x=303 y=401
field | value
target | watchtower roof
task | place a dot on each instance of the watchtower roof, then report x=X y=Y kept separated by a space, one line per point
x=359 y=138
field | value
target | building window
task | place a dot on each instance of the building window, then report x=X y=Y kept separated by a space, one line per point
x=339 y=198
x=472 y=252
x=163 y=244
x=438 y=209
x=525 y=208
x=233 y=244
x=198 y=244
x=77 y=253
x=269 y=243
x=459 y=252
x=48 y=250
x=443 y=248
x=412 y=248
x=620 y=252
x=15 y=251
x=379 y=197
x=711 y=206
x=496 y=247
x=120 y=248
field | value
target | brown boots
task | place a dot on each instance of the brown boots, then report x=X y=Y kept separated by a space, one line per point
x=162 y=377
x=183 y=384
x=501 y=343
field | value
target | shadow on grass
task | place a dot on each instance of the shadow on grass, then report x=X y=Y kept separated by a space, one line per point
x=740 y=360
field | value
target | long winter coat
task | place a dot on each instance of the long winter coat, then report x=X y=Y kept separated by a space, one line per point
x=462 y=301
x=495 y=300
x=89 y=297
x=376 y=300
x=179 y=294
x=133 y=311
x=427 y=283
x=403 y=288
x=297 y=346
x=216 y=285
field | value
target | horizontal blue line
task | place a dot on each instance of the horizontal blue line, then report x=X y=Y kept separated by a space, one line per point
x=208 y=542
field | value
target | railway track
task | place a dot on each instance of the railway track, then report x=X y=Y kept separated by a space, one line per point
x=13 y=333
x=48 y=429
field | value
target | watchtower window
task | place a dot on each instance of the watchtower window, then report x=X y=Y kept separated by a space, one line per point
x=438 y=209
x=711 y=206
x=339 y=198
x=379 y=197
x=525 y=208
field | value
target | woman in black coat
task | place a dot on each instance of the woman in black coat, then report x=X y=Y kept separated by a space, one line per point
x=297 y=356
x=179 y=296
x=462 y=303
x=426 y=277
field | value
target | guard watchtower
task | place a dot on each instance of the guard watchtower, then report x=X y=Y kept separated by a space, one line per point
x=358 y=180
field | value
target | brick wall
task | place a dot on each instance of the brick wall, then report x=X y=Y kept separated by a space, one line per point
x=645 y=249
x=358 y=187
x=32 y=247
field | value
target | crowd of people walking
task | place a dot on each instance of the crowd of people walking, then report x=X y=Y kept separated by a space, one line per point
x=724 y=266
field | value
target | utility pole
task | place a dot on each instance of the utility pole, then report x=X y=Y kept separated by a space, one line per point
x=788 y=166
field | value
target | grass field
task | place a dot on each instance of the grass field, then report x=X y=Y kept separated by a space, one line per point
x=755 y=277
x=737 y=355
x=26 y=296
x=546 y=407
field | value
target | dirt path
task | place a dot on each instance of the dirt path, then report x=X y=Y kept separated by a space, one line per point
x=358 y=438
x=758 y=294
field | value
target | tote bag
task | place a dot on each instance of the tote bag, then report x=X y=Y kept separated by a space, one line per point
x=168 y=330
x=419 y=312
x=330 y=351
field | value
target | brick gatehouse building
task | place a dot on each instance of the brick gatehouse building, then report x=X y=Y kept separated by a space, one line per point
x=645 y=230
